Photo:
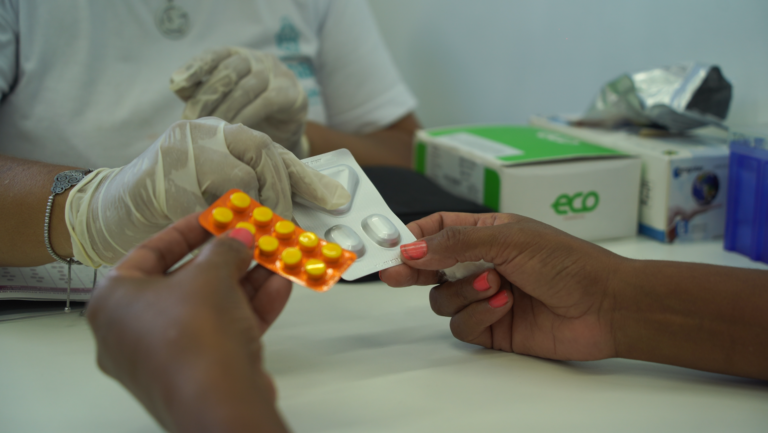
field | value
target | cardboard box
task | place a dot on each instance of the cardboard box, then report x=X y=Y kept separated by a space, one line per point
x=584 y=189
x=684 y=179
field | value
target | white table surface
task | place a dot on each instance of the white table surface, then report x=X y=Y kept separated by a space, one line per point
x=368 y=358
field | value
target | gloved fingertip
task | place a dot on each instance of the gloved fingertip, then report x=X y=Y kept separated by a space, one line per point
x=178 y=82
x=340 y=197
x=190 y=112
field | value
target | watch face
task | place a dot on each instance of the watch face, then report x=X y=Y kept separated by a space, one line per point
x=172 y=21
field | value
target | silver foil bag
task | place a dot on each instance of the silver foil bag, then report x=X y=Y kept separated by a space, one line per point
x=675 y=98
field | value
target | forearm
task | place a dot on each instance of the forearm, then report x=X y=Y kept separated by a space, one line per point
x=706 y=317
x=26 y=187
x=390 y=146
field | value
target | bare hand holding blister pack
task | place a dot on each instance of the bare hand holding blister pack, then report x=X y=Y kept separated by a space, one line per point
x=365 y=225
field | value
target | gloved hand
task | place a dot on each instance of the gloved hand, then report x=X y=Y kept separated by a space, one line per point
x=188 y=167
x=245 y=86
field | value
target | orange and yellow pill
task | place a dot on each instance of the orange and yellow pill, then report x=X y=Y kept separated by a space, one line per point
x=308 y=241
x=262 y=216
x=268 y=245
x=315 y=269
x=222 y=216
x=239 y=201
x=331 y=252
x=291 y=257
x=285 y=229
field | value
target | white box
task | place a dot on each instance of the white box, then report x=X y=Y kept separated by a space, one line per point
x=684 y=181
x=584 y=189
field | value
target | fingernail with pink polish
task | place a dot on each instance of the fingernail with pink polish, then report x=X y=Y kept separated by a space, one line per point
x=498 y=300
x=242 y=235
x=414 y=250
x=481 y=283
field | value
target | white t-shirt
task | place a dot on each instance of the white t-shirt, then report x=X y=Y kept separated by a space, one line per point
x=85 y=83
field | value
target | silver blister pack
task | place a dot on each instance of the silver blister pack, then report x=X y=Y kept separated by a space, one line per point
x=365 y=225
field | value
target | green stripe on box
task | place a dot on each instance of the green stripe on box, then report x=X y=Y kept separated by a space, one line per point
x=491 y=189
x=420 y=163
x=534 y=144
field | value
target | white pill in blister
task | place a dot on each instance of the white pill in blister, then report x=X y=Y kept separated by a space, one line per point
x=381 y=230
x=346 y=238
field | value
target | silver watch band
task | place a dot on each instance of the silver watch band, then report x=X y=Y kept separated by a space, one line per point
x=61 y=183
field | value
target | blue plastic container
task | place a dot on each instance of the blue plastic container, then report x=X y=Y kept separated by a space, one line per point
x=746 y=221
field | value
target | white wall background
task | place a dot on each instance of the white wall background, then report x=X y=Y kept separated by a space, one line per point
x=486 y=61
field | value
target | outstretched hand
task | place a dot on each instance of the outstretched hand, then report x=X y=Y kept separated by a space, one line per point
x=549 y=295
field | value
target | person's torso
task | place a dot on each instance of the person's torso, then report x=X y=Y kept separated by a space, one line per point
x=92 y=77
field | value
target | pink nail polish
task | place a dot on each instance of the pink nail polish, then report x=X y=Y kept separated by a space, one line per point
x=498 y=300
x=242 y=235
x=414 y=250
x=481 y=282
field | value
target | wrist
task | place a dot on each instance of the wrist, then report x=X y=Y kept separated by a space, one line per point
x=651 y=324
x=214 y=396
x=624 y=289
x=59 y=237
x=86 y=234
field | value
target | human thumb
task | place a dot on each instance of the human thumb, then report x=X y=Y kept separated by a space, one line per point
x=456 y=244
x=227 y=256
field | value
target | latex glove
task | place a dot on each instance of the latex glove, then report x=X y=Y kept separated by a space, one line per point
x=245 y=86
x=187 y=168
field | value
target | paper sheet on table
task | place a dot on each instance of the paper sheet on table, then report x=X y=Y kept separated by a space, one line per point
x=47 y=282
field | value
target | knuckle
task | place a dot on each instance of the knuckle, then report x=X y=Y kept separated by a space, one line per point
x=258 y=78
x=242 y=177
x=412 y=279
x=256 y=139
x=262 y=139
x=436 y=301
x=458 y=329
x=463 y=295
x=453 y=236
x=251 y=86
x=449 y=298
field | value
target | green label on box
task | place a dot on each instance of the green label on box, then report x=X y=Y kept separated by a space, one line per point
x=420 y=158
x=491 y=189
x=518 y=144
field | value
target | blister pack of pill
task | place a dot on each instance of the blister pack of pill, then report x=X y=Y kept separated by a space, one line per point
x=365 y=225
x=296 y=254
